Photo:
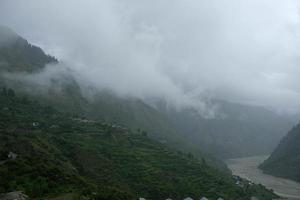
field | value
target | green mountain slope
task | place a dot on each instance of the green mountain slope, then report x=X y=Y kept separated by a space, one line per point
x=285 y=160
x=20 y=59
x=56 y=153
x=244 y=131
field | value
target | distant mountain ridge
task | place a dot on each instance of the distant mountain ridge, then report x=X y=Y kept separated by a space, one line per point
x=242 y=131
x=65 y=94
x=232 y=136
x=16 y=54
x=81 y=149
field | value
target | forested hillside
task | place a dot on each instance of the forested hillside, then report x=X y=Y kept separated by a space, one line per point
x=237 y=130
x=285 y=160
x=56 y=142
x=62 y=91
x=52 y=154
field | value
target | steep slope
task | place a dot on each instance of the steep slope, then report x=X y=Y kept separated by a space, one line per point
x=64 y=93
x=285 y=160
x=239 y=131
x=130 y=112
x=51 y=154
x=16 y=54
x=243 y=131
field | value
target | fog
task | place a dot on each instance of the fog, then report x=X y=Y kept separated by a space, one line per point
x=181 y=51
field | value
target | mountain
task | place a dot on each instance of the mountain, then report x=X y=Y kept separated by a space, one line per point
x=46 y=153
x=16 y=54
x=56 y=142
x=285 y=160
x=237 y=130
x=64 y=93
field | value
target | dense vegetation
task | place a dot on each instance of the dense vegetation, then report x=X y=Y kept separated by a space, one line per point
x=59 y=153
x=18 y=58
x=238 y=131
x=285 y=160
x=47 y=153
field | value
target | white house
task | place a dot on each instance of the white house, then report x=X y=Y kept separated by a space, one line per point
x=12 y=156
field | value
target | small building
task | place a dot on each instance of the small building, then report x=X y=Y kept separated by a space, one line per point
x=204 y=198
x=12 y=156
x=35 y=124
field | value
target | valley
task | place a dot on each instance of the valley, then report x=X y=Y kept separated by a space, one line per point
x=247 y=168
x=107 y=115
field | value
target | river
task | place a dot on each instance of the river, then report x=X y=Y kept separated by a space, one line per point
x=247 y=168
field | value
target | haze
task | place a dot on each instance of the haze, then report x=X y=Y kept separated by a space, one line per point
x=181 y=51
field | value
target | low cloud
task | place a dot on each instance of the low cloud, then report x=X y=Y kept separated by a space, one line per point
x=181 y=51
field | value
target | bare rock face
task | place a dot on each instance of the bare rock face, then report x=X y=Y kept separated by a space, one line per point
x=18 y=195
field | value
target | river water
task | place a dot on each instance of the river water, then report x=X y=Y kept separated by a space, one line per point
x=247 y=168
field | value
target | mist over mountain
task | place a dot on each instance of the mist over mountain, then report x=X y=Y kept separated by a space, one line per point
x=183 y=54
x=118 y=100
x=234 y=130
x=7 y=36
x=239 y=131
x=55 y=142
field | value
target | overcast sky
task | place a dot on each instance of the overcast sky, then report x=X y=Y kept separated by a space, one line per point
x=245 y=51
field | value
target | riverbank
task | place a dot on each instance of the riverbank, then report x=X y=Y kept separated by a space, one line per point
x=248 y=168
